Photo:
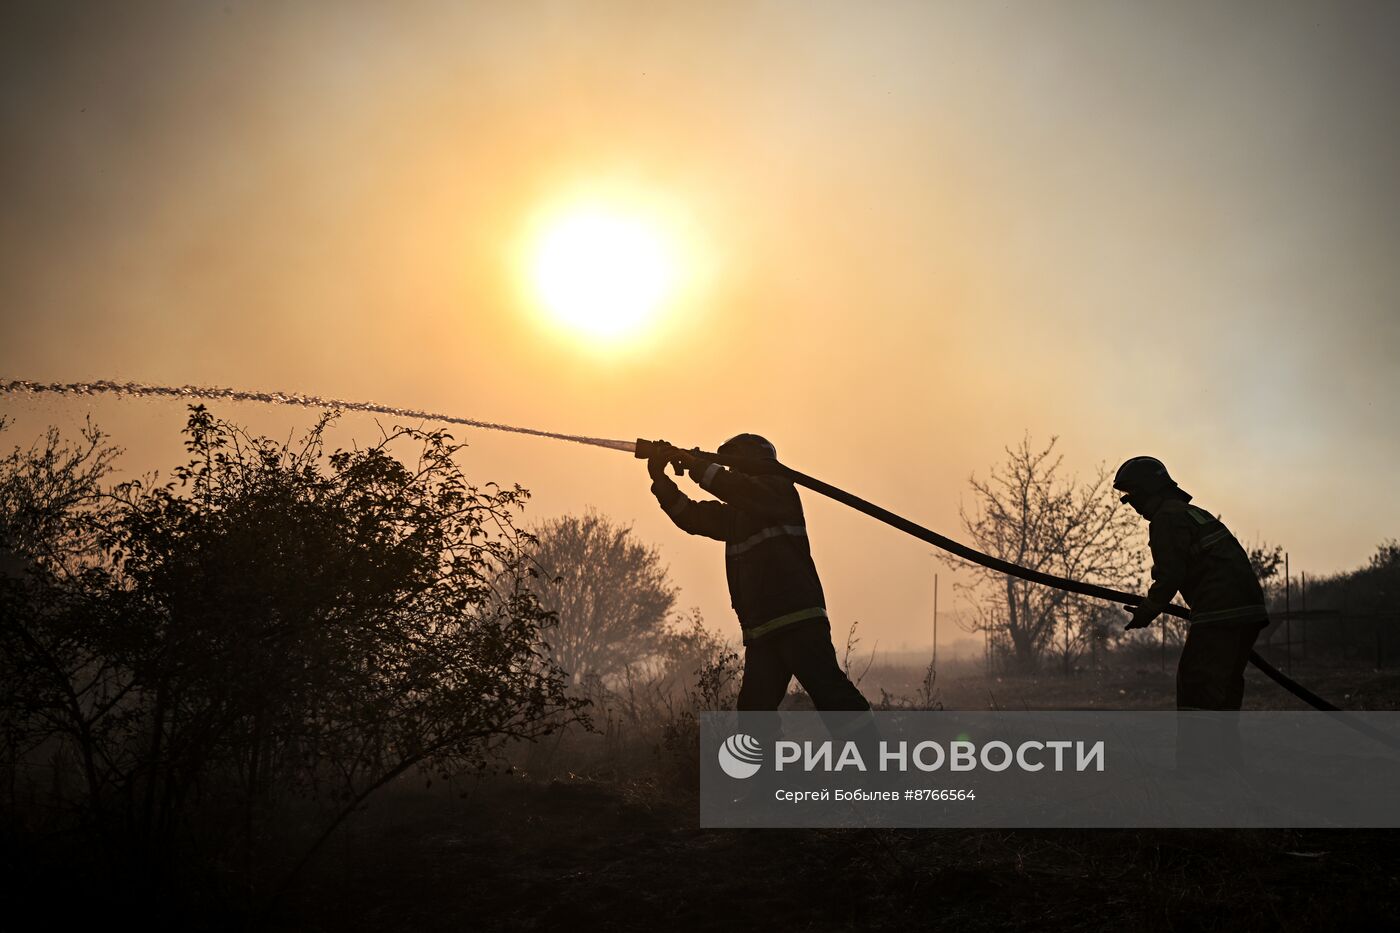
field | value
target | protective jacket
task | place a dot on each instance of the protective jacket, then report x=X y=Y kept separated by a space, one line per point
x=773 y=583
x=1193 y=553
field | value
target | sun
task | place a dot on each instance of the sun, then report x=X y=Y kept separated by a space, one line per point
x=602 y=273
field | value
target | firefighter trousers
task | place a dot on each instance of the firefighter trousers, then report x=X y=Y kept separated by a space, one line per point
x=803 y=651
x=1210 y=674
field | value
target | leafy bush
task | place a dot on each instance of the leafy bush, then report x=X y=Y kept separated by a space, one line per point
x=276 y=630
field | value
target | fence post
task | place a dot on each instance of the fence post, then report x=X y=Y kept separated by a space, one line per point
x=1303 y=598
x=1287 y=617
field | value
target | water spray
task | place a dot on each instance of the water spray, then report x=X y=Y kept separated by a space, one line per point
x=645 y=450
x=214 y=393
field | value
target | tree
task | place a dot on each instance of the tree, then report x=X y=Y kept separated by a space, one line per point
x=276 y=624
x=52 y=510
x=1384 y=571
x=1028 y=513
x=1266 y=560
x=1371 y=588
x=608 y=591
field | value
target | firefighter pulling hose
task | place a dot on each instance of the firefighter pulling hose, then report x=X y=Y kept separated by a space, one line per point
x=663 y=452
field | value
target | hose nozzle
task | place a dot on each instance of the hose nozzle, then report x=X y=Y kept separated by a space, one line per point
x=646 y=450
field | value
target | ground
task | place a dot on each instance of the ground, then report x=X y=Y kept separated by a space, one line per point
x=600 y=832
x=608 y=852
x=578 y=855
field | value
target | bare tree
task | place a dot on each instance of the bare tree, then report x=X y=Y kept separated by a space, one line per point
x=608 y=590
x=1029 y=513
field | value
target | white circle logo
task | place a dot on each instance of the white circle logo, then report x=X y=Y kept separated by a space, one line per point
x=740 y=756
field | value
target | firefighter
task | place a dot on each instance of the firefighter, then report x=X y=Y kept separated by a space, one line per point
x=1195 y=555
x=773 y=584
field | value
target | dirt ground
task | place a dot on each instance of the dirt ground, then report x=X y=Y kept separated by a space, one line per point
x=599 y=853
x=600 y=832
x=579 y=855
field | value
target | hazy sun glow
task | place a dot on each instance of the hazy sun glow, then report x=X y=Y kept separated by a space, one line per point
x=602 y=273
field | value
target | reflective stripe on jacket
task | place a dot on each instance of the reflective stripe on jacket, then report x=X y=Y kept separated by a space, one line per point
x=773 y=582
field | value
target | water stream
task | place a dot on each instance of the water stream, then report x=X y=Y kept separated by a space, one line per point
x=215 y=393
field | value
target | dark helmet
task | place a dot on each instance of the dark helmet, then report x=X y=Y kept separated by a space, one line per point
x=749 y=445
x=1142 y=476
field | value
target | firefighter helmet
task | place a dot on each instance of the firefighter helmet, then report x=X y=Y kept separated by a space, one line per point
x=749 y=445
x=1142 y=476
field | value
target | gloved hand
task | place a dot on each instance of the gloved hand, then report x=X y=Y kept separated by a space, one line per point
x=691 y=463
x=1142 y=616
x=656 y=464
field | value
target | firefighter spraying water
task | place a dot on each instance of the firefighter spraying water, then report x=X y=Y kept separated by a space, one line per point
x=773 y=583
